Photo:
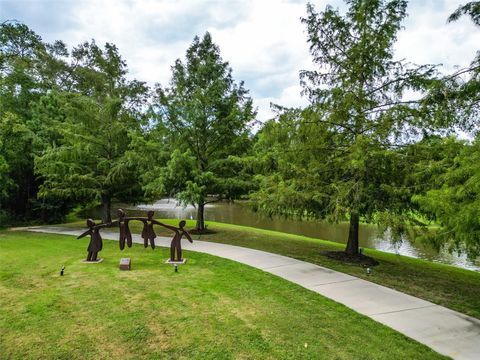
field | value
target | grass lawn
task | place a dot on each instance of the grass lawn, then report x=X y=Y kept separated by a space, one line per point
x=449 y=286
x=211 y=309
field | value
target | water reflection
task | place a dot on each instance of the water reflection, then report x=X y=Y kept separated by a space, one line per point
x=240 y=214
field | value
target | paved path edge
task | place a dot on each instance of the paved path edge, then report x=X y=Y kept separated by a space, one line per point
x=446 y=331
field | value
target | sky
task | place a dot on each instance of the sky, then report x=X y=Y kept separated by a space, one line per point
x=264 y=40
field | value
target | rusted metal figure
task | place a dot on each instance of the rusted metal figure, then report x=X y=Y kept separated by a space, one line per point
x=96 y=244
x=148 y=234
x=176 y=246
x=124 y=234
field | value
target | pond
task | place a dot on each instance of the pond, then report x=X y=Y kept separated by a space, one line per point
x=240 y=214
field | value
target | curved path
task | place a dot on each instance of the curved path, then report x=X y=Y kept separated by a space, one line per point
x=446 y=331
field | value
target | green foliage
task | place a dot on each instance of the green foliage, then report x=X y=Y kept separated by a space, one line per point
x=29 y=69
x=16 y=139
x=74 y=129
x=15 y=65
x=471 y=9
x=453 y=199
x=338 y=158
x=450 y=168
x=149 y=153
x=96 y=122
x=205 y=116
x=456 y=96
x=5 y=185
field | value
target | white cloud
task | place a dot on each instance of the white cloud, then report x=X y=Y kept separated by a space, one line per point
x=264 y=41
x=428 y=38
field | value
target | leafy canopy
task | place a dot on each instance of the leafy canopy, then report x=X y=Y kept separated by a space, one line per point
x=338 y=158
x=29 y=69
x=205 y=115
x=97 y=116
x=452 y=199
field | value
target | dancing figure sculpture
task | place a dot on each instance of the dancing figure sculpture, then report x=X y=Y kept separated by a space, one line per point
x=125 y=235
x=96 y=244
x=176 y=246
x=148 y=234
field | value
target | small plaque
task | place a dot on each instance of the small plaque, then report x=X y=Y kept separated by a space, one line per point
x=125 y=264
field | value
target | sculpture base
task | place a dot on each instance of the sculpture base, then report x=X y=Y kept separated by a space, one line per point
x=183 y=261
x=92 y=262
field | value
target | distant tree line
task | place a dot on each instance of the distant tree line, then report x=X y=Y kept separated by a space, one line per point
x=76 y=131
x=376 y=144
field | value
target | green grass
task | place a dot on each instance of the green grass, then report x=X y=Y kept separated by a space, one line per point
x=455 y=288
x=211 y=309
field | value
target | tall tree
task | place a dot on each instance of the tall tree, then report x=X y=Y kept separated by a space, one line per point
x=452 y=200
x=99 y=114
x=206 y=116
x=29 y=68
x=339 y=159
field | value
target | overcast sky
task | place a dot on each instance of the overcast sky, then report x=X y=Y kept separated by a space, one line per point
x=263 y=41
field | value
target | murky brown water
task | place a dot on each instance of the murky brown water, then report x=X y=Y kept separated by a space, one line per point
x=240 y=214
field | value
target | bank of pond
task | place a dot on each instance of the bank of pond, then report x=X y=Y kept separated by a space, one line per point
x=238 y=213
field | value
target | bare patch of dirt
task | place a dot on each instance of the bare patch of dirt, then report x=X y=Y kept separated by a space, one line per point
x=359 y=259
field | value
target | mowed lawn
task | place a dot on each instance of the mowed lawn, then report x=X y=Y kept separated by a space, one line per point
x=211 y=309
x=453 y=287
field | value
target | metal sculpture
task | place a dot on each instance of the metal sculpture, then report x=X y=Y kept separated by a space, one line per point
x=148 y=234
x=176 y=246
x=125 y=235
x=96 y=244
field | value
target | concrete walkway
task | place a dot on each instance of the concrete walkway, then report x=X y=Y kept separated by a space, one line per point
x=445 y=331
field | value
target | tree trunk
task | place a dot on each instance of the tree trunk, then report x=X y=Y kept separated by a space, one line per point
x=106 y=213
x=201 y=217
x=352 y=244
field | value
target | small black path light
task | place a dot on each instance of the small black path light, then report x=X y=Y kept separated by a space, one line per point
x=61 y=271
